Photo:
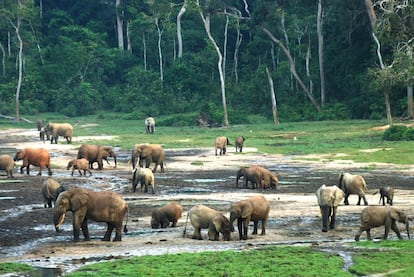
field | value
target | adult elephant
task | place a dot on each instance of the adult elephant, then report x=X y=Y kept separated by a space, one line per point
x=376 y=216
x=148 y=153
x=329 y=198
x=7 y=163
x=203 y=217
x=50 y=191
x=239 y=143
x=258 y=176
x=59 y=129
x=255 y=208
x=353 y=184
x=162 y=217
x=96 y=153
x=100 y=206
x=150 y=125
x=221 y=144
x=33 y=156
x=145 y=177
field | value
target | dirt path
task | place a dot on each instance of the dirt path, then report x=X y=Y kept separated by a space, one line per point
x=193 y=176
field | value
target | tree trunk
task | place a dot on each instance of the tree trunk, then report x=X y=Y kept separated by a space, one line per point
x=129 y=45
x=19 y=82
x=159 y=49
x=179 y=36
x=239 y=39
x=144 y=44
x=226 y=27
x=272 y=96
x=388 y=105
x=410 y=111
x=119 y=25
x=308 y=56
x=319 y=25
x=3 y=60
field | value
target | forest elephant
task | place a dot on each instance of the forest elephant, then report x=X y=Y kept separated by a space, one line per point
x=39 y=124
x=203 y=217
x=353 y=184
x=329 y=198
x=150 y=125
x=34 y=156
x=376 y=216
x=145 y=176
x=386 y=192
x=239 y=143
x=7 y=164
x=100 y=206
x=148 y=153
x=96 y=153
x=255 y=208
x=221 y=144
x=44 y=135
x=50 y=191
x=259 y=177
x=59 y=129
x=161 y=217
x=79 y=164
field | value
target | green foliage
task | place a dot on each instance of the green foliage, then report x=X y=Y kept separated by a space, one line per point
x=398 y=132
x=14 y=267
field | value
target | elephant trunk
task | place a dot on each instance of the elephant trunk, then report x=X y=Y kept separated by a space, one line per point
x=115 y=160
x=233 y=217
x=58 y=220
x=325 y=212
x=407 y=226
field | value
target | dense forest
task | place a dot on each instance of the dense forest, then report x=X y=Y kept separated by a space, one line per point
x=289 y=60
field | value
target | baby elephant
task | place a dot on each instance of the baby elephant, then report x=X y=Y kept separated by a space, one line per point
x=7 y=163
x=79 y=164
x=386 y=192
x=376 y=216
x=239 y=143
x=143 y=176
x=161 y=217
x=50 y=191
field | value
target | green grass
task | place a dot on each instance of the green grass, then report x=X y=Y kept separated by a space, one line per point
x=14 y=267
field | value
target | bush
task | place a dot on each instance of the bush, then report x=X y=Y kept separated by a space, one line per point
x=398 y=132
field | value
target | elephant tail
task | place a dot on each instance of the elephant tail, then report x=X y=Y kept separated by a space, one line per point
x=126 y=221
x=185 y=227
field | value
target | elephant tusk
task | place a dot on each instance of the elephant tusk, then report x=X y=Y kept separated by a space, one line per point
x=62 y=219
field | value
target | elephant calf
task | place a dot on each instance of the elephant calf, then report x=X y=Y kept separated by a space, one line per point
x=221 y=144
x=376 y=216
x=386 y=192
x=329 y=199
x=79 y=164
x=143 y=176
x=7 y=163
x=161 y=217
x=353 y=184
x=50 y=191
x=239 y=143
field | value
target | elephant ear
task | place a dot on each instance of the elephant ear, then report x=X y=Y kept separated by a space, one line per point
x=78 y=200
x=246 y=210
x=339 y=196
x=395 y=214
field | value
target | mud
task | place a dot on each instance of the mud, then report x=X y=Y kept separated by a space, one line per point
x=192 y=176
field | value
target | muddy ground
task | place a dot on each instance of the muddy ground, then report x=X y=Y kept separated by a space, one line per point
x=192 y=176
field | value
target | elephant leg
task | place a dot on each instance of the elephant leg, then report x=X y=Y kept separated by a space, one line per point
x=396 y=230
x=359 y=200
x=21 y=169
x=49 y=203
x=28 y=169
x=40 y=171
x=240 y=228
x=346 y=202
x=264 y=222
x=76 y=230
x=197 y=234
x=358 y=234
x=245 y=227
x=118 y=233
x=255 y=223
x=85 y=230
x=107 y=236
x=365 y=200
x=162 y=167
x=49 y=170
x=368 y=234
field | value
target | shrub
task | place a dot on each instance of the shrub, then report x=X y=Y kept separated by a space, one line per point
x=396 y=132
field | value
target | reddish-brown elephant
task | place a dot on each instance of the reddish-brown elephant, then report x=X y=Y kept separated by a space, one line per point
x=34 y=156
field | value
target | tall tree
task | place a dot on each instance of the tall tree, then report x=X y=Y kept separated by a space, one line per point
x=319 y=26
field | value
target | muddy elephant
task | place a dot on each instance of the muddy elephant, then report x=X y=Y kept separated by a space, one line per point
x=145 y=177
x=96 y=153
x=161 y=217
x=39 y=124
x=203 y=217
x=221 y=144
x=259 y=177
x=50 y=191
x=376 y=216
x=386 y=192
x=255 y=208
x=329 y=198
x=79 y=164
x=353 y=184
x=34 y=156
x=100 y=206
x=239 y=143
x=150 y=125
x=7 y=164
x=59 y=129
x=148 y=153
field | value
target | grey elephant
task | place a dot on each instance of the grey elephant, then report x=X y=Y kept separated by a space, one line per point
x=79 y=164
x=386 y=192
x=145 y=177
x=148 y=153
x=96 y=153
x=162 y=217
x=255 y=208
x=50 y=191
x=376 y=216
x=203 y=217
x=7 y=164
x=259 y=177
x=353 y=184
x=150 y=125
x=239 y=143
x=329 y=198
x=221 y=144
x=100 y=206
x=39 y=124
x=59 y=129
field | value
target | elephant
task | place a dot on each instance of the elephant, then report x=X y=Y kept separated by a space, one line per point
x=42 y=134
x=161 y=217
x=258 y=176
x=239 y=143
x=386 y=192
x=96 y=153
x=144 y=176
x=36 y=156
x=135 y=154
x=329 y=198
x=7 y=163
x=353 y=184
x=100 y=206
x=149 y=153
x=39 y=124
x=79 y=164
x=50 y=191
x=255 y=208
x=150 y=125
x=203 y=217
x=376 y=216
x=221 y=144
x=59 y=129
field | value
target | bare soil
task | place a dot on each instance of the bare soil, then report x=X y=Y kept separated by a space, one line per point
x=192 y=176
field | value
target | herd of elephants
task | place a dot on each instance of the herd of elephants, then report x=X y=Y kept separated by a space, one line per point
x=111 y=208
